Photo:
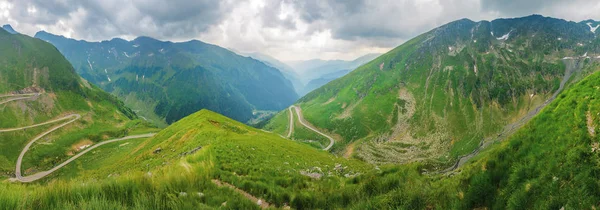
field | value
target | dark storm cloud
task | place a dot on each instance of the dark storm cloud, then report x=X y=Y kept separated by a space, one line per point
x=307 y=28
x=373 y=19
x=404 y=19
x=172 y=19
x=162 y=11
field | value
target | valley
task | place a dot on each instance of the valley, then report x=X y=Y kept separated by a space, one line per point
x=470 y=114
x=165 y=81
x=409 y=105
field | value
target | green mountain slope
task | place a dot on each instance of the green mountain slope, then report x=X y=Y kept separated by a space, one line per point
x=165 y=81
x=32 y=66
x=440 y=94
x=549 y=164
x=184 y=159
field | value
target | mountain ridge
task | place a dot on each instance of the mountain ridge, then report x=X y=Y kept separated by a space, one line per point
x=145 y=72
x=38 y=88
x=8 y=28
x=437 y=95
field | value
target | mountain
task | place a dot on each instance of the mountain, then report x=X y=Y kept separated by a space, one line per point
x=39 y=90
x=592 y=25
x=9 y=29
x=324 y=79
x=287 y=71
x=192 y=164
x=315 y=70
x=438 y=96
x=165 y=81
x=209 y=161
x=548 y=160
x=312 y=74
x=312 y=69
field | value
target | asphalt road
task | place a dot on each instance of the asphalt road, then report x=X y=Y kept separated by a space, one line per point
x=71 y=118
x=18 y=97
x=291 y=122
x=302 y=121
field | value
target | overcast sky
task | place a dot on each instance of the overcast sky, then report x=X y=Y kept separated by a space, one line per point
x=285 y=29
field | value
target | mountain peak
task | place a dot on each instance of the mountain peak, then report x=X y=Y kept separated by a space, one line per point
x=9 y=29
x=43 y=33
x=144 y=38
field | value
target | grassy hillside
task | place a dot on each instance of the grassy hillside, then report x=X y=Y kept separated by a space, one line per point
x=193 y=152
x=165 y=81
x=31 y=65
x=440 y=94
x=549 y=164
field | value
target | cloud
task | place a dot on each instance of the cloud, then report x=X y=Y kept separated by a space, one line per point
x=376 y=20
x=550 y=7
x=285 y=29
x=104 y=19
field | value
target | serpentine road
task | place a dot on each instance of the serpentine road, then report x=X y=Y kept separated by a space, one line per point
x=73 y=118
x=572 y=67
x=42 y=174
x=301 y=120
x=291 y=122
x=18 y=97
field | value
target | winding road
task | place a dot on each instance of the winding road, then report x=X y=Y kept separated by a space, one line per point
x=291 y=122
x=18 y=97
x=42 y=174
x=572 y=66
x=71 y=118
x=302 y=121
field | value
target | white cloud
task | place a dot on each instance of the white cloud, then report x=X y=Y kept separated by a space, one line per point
x=285 y=29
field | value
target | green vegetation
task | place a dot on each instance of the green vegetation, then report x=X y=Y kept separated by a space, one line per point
x=280 y=123
x=32 y=65
x=545 y=165
x=446 y=90
x=550 y=163
x=166 y=81
x=260 y=163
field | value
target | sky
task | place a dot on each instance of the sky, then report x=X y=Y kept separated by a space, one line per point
x=285 y=29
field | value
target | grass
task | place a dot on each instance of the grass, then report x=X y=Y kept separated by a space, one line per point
x=550 y=163
x=32 y=65
x=544 y=165
x=454 y=103
x=261 y=163
x=280 y=123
